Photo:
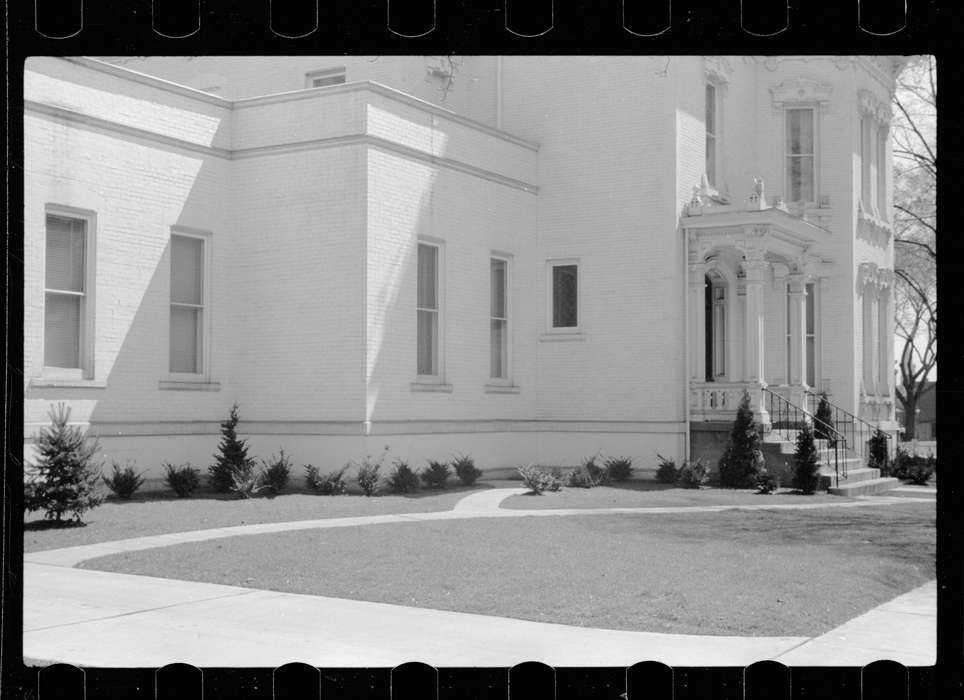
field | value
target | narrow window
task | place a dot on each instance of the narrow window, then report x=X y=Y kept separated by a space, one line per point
x=187 y=304
x=800 y=155
x=884 y=336
x=719 y=331
x=811 y=336
x=65 y=302
x=789 y=343
x=711 y=134
x=564 y=296
x=865 y=162
x=322 y=78
x=867 y=341
x=499 y=320
x=882 y=173
x=428 y=311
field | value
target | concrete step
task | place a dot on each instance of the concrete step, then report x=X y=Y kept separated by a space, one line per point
x=855 y=472
x=863 y=488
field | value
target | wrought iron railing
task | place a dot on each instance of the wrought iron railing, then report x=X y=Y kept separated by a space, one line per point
x=856 y=430
x=789 y=419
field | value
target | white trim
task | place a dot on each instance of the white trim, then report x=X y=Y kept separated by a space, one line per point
x=552 y=330
x=437 y=379
x=509 y=318
x=204 y=351
x=88 y=305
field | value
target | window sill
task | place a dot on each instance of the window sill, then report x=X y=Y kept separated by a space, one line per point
x=169 y=385
x=52 y=382
x=427 y=387
x=502 y=389
x=561 y=336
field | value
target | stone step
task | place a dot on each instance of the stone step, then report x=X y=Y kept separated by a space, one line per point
x=863 y=488
x=856 y=472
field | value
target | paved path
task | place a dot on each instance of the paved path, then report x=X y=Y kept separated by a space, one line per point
x=147 y=621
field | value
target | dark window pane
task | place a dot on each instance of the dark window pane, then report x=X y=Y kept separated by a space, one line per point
x=564 y=296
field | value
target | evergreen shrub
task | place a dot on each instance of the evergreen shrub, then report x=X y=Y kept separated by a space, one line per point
x=766 y=482
x=466 y=470
x=619 y=468
x=183 y=479
x=824 y=420
x=403 y=478
x=877 y=457
x=740 y=463
x=231 y=458
x=124 y=482
x=667 y=471
x=64 y=479
x=435 y=475
x=806 y=469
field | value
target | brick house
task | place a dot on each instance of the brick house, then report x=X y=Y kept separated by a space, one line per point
x=528 y=259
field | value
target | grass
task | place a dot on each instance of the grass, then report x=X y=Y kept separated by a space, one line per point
x=731 y=573
x=157 y=513
x=647 y=494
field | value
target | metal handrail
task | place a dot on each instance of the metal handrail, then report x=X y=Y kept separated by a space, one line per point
x=794 y=418
x=857 y=427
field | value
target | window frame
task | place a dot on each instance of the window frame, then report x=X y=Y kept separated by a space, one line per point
x=712 y=178
x=865 y=160
x=204 y=345
x=86 y=340
x=439 y=246
x=506 y=379
x=814 y=110
x=883 y=136
x=550 y=297
x=322 y=73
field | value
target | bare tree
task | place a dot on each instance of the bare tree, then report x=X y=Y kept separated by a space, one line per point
x=915 y=232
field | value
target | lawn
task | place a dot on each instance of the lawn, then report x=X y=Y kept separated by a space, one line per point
x=730 y=573
x=157 y=514
x=650 y=494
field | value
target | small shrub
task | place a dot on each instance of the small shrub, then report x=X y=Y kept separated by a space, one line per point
x=921 y=470
x=619 y=468
x=739 y=464
x=403 y=478
x=877 y=457
x=368 y=477
x=183 y=480
x=466 y=470
x=276 y=472
x=232 y=455
x=824 y=421
x=899 y=466
x=247 y=482
x=65 y=475
x=692 y=474
x=124 y=482
x=435 y=475
x=587 y=475
x=667 y=472
x=766 y=482
x=806 y=470
x=330 y=484
x=538 y=480
x=598 y=474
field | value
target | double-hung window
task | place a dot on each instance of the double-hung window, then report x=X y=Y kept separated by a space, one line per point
x=499 y=319
x=67 y=306
x=188 y=304
x=428 y=310
x=800 y=154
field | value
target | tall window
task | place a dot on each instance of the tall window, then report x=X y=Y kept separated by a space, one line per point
x=187 y=304
x=811 y=336
x=65 y=300
x=865 y=156
x=883 y=338
x=322 y=78
x=711 y=134
x=565 y=296
x=800 y=154
x=427 y=304
x=499 y=320
x=882 y=172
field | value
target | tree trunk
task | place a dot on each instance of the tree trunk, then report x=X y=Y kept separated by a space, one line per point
x=910 y=417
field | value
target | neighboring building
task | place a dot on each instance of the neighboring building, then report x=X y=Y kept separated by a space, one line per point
x=527 y=259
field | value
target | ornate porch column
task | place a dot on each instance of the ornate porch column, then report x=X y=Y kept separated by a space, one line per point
x=754 y=268
x=798 y=339
x=697 y=321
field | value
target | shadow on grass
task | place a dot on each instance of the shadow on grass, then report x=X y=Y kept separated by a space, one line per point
x=39 y=525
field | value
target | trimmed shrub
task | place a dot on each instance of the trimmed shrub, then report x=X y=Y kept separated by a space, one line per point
x=692 y=474
x=65 y=476
x=619 y=468
x=232 y=455
x=877 y=457
x=276 y=472
x=466 y=470
x=766 y=482
x=330 y=484
x=538 y=480
x=739 y=464
x=124 y=482
x=806 y=470
x=824 y=419
x=435 y=475
x=403 y=478
x=921 y=470
x=667 y=472
x=183 y=479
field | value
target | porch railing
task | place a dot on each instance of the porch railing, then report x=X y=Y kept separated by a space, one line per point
x=715 y=400
x=856 y=430
x=788 y=418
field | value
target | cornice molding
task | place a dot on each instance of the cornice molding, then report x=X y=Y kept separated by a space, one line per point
x=794 y=91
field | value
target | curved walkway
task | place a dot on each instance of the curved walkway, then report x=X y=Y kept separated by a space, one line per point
x=147 y=621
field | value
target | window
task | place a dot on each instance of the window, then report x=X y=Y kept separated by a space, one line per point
x=66 y=303
x=865 y=162
x=187 y=304
x=882 y=172
x=811 y=336
x=565 y=280
x=322 y=78
x=499 y=320
x=800 y=154
x=884 y=337
x=427 y=305
x=715 y=318
x=711 y=134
